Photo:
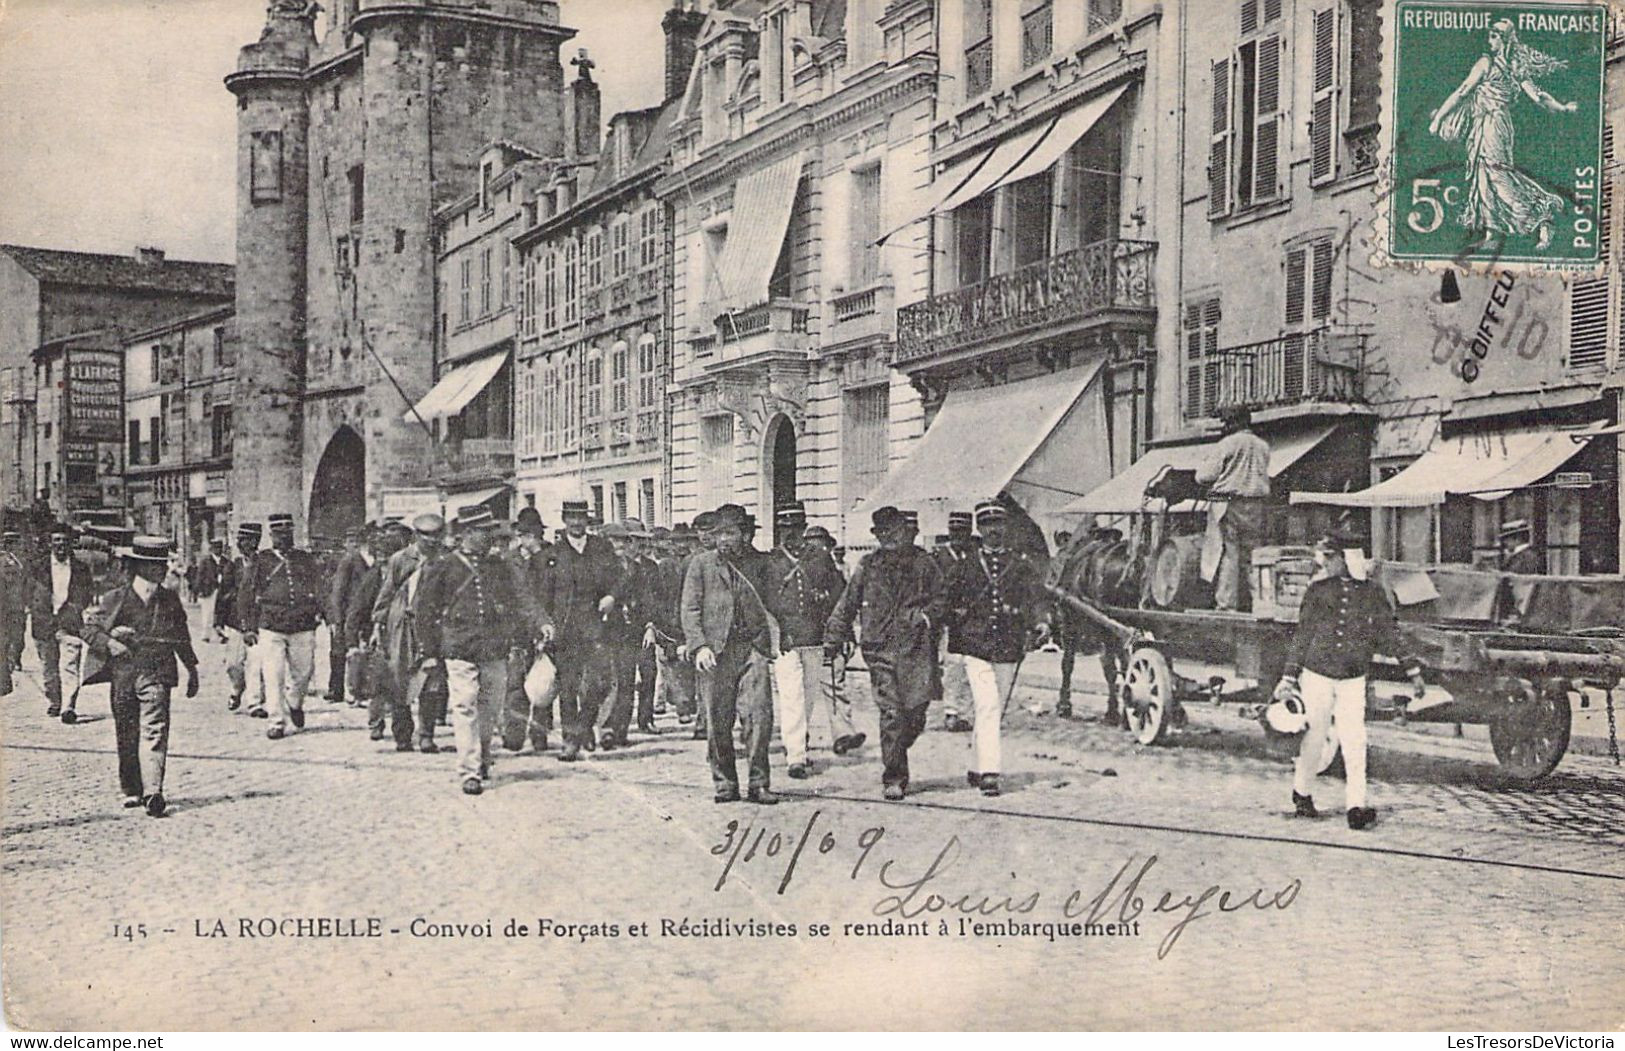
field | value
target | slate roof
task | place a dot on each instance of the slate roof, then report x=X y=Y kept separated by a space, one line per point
x=54 y=266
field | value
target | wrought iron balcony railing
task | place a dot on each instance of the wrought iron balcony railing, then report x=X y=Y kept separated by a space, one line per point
x=1072 y=286
x=1321 y=365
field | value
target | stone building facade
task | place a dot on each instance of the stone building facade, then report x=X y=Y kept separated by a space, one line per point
x=800 y=141
x=178 y=419
x=348 y=147
x=593 y=349
x=49 y=294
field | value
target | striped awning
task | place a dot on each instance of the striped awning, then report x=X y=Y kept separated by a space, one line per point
x=457 y=388
x=760 y=218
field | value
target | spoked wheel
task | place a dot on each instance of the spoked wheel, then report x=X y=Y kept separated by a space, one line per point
x=1530 y=743
x=1148 y=695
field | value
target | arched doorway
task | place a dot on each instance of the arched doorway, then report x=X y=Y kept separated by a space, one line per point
x=781 y=468
x=338 y=496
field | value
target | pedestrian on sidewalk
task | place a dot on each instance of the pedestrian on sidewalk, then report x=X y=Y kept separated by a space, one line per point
x=725 y=627
x=471 y=618
x=242 y=658
x=992 y=602
x=280 y=610
x=951 y=685
x=898 y=592
x=140 y=629
x=208 y=587
x=521 y=716
x=1342 y=623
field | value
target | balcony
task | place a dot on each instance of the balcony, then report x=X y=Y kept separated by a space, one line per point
x=474 y=459
x=864 y=314
x=778 y=326
x=1099 y=283
x=1295 y=369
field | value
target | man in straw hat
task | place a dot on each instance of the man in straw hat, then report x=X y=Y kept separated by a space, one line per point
x=140 y=629
x=993 y=600
x=898 y=591
x=280 y=607
x=1342 y=623
x=471 y=616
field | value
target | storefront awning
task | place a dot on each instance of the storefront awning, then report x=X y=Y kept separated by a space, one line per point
x=1520 y=402
x=457 y=501
x=1488 y=466
x=1042 y=438
x=1021 y=156
x=1125 y=494
x=457 y=388
x=762 y=204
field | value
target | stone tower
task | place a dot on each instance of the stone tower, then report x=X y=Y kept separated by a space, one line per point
x=398 y=99
x=271 y=224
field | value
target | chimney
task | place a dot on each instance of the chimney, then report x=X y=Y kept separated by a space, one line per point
x=682 y=27
x=584 y=108
x=146 y=254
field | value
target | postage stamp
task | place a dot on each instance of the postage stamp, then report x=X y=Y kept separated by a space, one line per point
x=1497 y=133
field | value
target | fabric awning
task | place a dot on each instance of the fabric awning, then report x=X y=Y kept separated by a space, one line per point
x=1125 y=493
x=457 y=388
x=1511 y=403
x=1040 y=438
x=951 y=179
x=1069 y=127
x=762 y=203
x=1006 y=156
x=455 y=502
x=1488 y=466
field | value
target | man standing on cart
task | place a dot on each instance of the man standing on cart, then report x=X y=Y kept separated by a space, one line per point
x=1237 y=477
x=1342 y=623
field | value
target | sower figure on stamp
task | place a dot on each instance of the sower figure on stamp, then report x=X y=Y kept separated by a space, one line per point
x=470 y=617
x=140 y=628
x=725 y=627
x=803 y=586
x=578 y=593
x=63 y=593
x=242 y=659
x=393 y=619
x=898 y=591
x=280 y=609
x=1342 y=623
x=529 y=556
x=993 y=601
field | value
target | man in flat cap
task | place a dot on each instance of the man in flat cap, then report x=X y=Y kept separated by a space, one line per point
x=726 y=628
x=579 y=594
x=242 y=659
x=140 y=630
x=470 y=617
x=393 y=618
x=65 y=590
x=898 y=592
x=1342 y=624
x=802 y=589
x=281 y=606
x=993 y=602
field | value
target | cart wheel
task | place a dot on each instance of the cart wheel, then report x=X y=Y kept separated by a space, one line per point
x=1530 y=744
x=1148 y=695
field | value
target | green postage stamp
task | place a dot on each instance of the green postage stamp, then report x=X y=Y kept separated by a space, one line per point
x=1497 y=132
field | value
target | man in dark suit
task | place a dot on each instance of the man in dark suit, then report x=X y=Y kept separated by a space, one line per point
x=579 y=593
x=898 y=591
x=208 y=587
x=529 y=561
x=140 y=629
x=992 y=600
x=351 y=565
x=242 y=660
x=1518 y=551
x=725 y=627
x=62 y=593
x=15 y=599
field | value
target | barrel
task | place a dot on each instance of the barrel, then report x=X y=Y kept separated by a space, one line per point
x=1176 y=574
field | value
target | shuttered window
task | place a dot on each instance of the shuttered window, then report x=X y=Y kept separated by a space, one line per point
x=863 y=442
x=716 y=460
x=1324 y=114
x=1218 y=167
x=1596 y=304
x=1247 y=119
x=1201 y=339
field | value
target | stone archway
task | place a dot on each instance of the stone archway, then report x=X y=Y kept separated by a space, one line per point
x=338 y=495
x=779 y=469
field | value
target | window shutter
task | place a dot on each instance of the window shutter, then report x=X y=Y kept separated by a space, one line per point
x=1218 y=164
x=1193 y=360
x=1590 y=298
x=1323 y=118
x=1249 y=16
x=1210 y=354
x=1267 y=116
x=1295 y=260
x=1272 y=10
x=1320 y=289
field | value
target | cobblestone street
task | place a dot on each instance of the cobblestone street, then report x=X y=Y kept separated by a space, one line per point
x=1469 y=906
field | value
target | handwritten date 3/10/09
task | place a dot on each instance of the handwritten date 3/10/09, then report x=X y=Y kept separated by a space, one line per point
x=1127 y=897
